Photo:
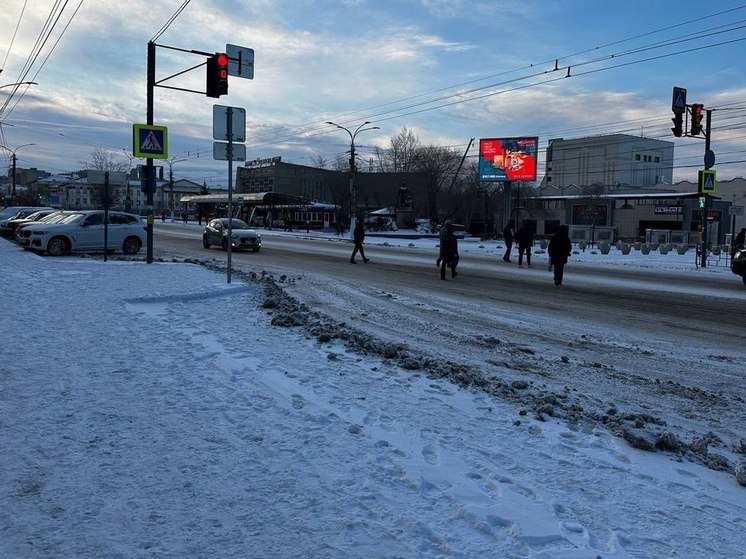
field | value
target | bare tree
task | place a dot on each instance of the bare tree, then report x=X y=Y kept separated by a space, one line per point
x=103 y=160
x=401 y=154
x=440 y=163
x=319 y=162
x=595 y=208
x=341 y=163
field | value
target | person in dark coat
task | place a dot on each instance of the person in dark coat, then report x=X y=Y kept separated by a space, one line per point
x=739 y=242
x=358 y=236
x=524 y=237
x=448 y=251
x=560 y=248
x=508 y=237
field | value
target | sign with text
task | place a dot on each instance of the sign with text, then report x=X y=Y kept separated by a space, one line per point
x=508 y=159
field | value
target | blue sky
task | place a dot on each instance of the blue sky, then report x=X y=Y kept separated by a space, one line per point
x=448 y=70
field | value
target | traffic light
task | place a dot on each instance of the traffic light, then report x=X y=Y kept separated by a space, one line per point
x=696 y=128
x=217 y=75
x=678 y=124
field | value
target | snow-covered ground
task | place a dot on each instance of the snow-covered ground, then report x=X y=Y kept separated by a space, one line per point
x=155 y=411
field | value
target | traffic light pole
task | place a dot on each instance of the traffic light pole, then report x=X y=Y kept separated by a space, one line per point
x=703 y=256
x=149 y=162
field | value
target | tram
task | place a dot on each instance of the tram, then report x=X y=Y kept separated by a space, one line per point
x=270 y=210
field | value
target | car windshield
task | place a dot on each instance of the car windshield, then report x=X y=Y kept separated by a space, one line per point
x=72 y=218
x=55 y=217
x=37 y=215
x=236 y=224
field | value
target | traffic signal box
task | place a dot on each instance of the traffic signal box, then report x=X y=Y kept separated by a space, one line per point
x=217 y=75
x=696 y=127
x=678 y=124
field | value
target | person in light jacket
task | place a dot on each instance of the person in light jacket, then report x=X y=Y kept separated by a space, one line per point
x=560 y=248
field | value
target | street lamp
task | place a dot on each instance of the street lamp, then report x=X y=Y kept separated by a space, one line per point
x=13 y=200
x=359 y=129
x=18 y=83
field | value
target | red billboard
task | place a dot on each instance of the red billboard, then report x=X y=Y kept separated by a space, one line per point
x=508 y=159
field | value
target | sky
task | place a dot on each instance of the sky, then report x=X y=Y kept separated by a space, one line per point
x=447 y=70
x=147 y=423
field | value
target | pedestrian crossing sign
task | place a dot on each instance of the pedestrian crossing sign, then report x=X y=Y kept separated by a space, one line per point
x=150 y=141
x=707 y=181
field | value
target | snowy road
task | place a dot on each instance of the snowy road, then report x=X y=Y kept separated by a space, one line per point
x=644 y=334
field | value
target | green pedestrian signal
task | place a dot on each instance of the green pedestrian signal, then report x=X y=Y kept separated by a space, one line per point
x=701 y=202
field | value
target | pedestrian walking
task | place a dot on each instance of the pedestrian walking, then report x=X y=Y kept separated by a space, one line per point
x=739 y=242
x=358 y=236
x=508 y=236
x=524 y=238
x=559 y=250
x=448 y=251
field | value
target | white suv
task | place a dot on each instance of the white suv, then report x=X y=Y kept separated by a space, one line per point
x=84 y=231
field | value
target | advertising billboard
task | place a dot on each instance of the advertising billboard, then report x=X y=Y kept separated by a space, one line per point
x=508 y=159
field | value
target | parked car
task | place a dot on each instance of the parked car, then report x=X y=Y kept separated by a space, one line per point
x=10 y=211
x=80 y=231
x=14 y=212
x=53 y=217
x=8 y=227
x=242 y=236
x=738 y=264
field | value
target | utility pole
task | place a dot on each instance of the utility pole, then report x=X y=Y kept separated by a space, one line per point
x=353 y=203
x=149 y=161
x=13 y=199
x=708 y=164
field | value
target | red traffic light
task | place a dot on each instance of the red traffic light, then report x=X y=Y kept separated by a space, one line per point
x=217 y=75
x=696 y=128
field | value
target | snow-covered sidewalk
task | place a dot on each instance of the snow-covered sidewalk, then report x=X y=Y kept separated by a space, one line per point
x=153 y=411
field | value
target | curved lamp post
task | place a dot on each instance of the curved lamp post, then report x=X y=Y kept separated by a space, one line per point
x=353 y=214
x=18 y=83
x=13 y=201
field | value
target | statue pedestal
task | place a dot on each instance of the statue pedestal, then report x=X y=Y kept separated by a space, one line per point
x=405 y=218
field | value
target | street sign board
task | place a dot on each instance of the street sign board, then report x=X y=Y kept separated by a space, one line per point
x=220 y=123
x=678 y=102
x=707 y=183
x=736 y=210
x=150 y=141
x=220 y=151
x=240 y=61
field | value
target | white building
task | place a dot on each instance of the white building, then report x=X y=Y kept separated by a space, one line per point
x=616 y=160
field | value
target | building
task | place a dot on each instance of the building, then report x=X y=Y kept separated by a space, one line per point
x=372 y=190
x=616 y=160
x=624 y=184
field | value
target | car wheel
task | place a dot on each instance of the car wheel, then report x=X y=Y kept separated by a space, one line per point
x=256 y=249
x=132 y=245
x=743 y=277
x=225 y=245
x=58 y=246
x=205 y=242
